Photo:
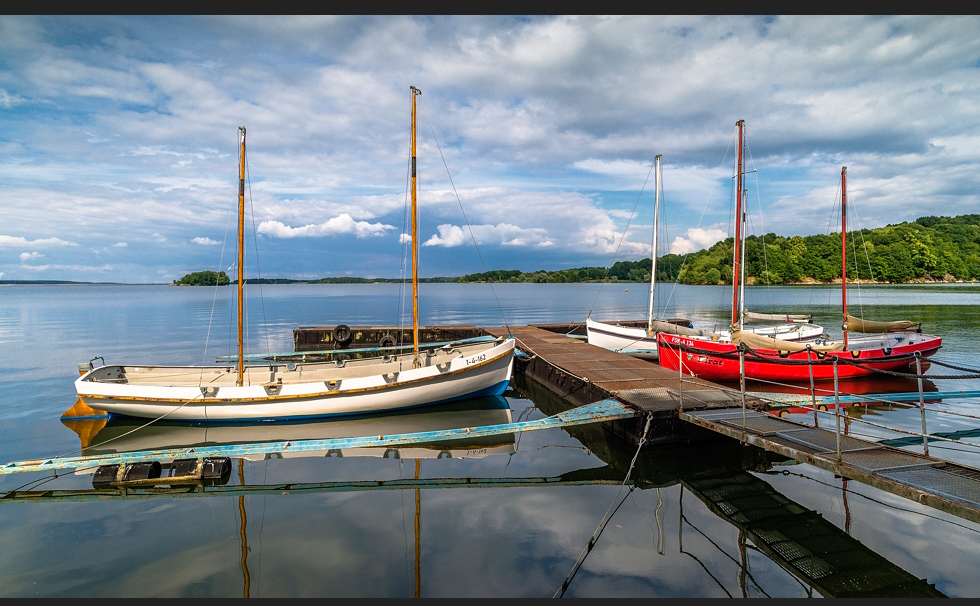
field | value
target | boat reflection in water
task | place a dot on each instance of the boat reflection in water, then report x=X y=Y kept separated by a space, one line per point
x=121 y=434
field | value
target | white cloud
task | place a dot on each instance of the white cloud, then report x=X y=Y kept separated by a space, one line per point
x=24 y=257
x=8 y=101
x=205 y=241
x=503 y=234
x=696 y=239
x=120 y=245
x=342 y=224
x=21 y=242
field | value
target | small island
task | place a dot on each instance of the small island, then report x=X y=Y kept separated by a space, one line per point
x=203 y=278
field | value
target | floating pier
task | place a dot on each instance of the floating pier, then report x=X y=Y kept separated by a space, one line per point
x=581 y=373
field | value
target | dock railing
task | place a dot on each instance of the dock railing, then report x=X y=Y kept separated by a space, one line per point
x=840 y=410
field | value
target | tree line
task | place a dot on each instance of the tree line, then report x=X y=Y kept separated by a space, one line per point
x=927 y=249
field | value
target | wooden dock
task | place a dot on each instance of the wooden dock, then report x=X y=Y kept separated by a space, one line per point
x=581 y=374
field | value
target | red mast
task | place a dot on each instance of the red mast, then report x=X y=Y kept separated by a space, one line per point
x=736 y=265
x=843 y=246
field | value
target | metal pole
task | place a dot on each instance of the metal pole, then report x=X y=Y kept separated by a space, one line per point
x=680 y=375
x=922 y=403
x=813 y=393
x=837 y=409
x=741 y=376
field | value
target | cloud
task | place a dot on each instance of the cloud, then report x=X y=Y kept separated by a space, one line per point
x=24 y=257
x=21 y=242
x=339 y=225
x=503 y=234
x=8 y=101
x=696 y=239
x=205 y=241
x=120 y=245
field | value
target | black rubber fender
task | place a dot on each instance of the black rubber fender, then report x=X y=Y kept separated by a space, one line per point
x=342 y=334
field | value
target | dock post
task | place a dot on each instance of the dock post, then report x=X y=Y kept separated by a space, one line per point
x=922 y=403
x=741 y=376
x=813 y=392
x=680 y=377
x=837 y=409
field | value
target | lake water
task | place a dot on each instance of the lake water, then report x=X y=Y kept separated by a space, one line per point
x=362 y=526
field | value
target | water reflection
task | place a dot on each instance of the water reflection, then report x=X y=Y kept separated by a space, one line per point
x=120 y=434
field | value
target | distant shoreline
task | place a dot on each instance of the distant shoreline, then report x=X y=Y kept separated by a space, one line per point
x=274 y=281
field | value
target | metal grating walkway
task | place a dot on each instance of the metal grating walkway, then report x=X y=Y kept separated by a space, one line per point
x=940 y=484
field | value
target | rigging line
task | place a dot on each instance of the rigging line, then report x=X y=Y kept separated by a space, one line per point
x=719 y=583
x=704 y=210
x=214 y=300
x=258 y=268
x=864 y=244
x=762 y=229
x=857 y=273
x=403 y=263
x=726 y=554
x=465 y=220
x=135 y=429
x=607 y=517
x=623 y=237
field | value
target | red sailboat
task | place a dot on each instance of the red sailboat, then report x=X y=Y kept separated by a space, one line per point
x=890 y=346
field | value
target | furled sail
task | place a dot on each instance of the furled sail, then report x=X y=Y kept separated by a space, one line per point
x=759 y=342
x=854 y=324
x=752 y=316
x=674 y=329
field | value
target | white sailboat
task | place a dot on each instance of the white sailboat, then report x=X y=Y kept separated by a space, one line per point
x=639 y=342
x=294 y=391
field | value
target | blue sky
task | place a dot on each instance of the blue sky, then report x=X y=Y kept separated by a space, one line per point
x=118 y=136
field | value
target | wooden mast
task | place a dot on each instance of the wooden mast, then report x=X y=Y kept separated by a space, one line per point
x=843 y=247
x=415 y=245
x=737 y=262
x=241 y=254
x=653 y=247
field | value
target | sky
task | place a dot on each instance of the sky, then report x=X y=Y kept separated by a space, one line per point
x=537 y=135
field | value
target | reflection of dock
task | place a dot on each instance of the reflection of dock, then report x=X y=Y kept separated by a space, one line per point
x=928 y=480
x=581 y=373
x=803 y=542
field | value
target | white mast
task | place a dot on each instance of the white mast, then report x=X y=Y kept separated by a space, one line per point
x=653 y=247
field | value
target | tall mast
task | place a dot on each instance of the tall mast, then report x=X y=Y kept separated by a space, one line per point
x=415 y=245
x=843 y=246
x=741 y=288
x=737 y=267
x=241 y=254
x=653 y=246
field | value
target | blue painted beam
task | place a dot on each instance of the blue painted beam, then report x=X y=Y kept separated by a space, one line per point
x=604 y=410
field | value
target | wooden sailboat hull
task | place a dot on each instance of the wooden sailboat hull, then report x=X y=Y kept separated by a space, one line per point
x=716 y=361
x=300 y=391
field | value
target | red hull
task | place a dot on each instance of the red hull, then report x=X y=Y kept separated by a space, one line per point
x=715 y=361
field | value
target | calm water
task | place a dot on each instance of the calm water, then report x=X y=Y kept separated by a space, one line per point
x=325 y=535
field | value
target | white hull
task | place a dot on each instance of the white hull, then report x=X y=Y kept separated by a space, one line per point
x=621 y=338
x=302 y=390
